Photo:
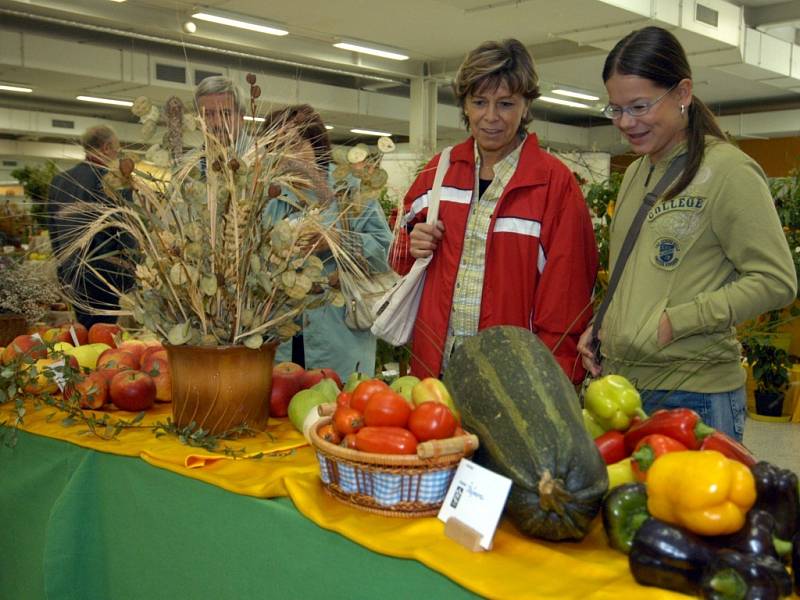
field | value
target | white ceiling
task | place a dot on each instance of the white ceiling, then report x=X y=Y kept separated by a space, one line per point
x=436 y=34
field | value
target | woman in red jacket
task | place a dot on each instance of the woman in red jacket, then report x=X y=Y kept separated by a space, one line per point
x=514 y=243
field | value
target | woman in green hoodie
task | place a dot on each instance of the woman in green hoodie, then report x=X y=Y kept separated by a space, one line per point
x=710 y=253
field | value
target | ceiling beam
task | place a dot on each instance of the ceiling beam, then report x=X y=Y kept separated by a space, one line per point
x=772 y=14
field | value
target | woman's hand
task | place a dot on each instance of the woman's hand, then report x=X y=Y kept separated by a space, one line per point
x=424 y=239
x=664 y=330
x=586 y=350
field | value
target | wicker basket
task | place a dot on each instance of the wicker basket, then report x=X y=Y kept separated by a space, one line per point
x=11 y=326
x=388 y=484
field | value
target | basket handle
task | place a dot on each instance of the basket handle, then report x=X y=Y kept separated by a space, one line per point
x=435 y=448
x=327 y=409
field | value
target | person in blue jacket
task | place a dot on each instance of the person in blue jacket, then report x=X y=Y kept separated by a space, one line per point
x=325 y=340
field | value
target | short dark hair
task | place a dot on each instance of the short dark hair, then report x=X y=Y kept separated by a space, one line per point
x=493 y=63
x=310 y=126
x=655 y=54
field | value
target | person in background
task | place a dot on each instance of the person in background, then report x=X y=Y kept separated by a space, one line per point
x=325 y=339
x=514 y=243
x=220 y=103
x=710 y=254
x=84 y=183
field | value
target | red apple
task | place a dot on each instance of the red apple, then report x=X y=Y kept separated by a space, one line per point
x=80 y=332
x=116 y=358
x=57 y=334
x=314 y=376
x=135 y=347
x=108 y=374
x=90 y=392
x=150 y=350
x=104 y=333
x=23 y=345
x=133 y=391
x=287 y=380
x=157 y=366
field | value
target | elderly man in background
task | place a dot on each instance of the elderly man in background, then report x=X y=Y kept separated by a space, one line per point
x=220 y=103
x=91 y=292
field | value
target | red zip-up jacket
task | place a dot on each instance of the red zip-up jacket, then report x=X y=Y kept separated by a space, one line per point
x=541 y=256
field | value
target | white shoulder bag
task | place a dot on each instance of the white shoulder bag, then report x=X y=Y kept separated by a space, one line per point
x=396 y=312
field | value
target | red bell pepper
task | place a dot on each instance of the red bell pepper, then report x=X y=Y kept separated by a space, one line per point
x=611 y=446
x=729 y=447
x=681 y=424
x=648 y=450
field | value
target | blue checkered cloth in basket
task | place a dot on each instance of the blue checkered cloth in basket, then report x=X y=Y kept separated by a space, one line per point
x=388 y=488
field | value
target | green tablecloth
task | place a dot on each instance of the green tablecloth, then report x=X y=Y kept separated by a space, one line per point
x=84 y=525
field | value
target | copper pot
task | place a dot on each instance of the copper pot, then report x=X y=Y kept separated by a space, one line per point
x=221 y=387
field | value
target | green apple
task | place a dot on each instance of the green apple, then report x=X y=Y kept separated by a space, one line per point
x=404 y=385
x=328 y=388
x=304 y=405
x=354 y=379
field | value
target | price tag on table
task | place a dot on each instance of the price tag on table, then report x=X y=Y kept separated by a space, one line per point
x=473 y=505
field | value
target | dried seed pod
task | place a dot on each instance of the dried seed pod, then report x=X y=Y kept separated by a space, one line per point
x=255 y=91
x=233 y=165
x=251 y=78
x=126 y=166
x=216 y=166
x=274 y=190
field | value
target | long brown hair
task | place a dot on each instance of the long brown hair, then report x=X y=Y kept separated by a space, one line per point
x=654 y=53
x=310 y=126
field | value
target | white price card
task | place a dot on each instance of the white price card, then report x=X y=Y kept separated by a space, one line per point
x=476 y=498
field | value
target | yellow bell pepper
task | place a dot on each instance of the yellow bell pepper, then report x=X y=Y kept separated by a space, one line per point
x=620 y=473
x=703 y=491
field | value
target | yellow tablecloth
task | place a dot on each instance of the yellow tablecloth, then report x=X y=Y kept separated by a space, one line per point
x=517 y=567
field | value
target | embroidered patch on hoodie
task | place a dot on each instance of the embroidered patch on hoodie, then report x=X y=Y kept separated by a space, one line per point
x=667 y=253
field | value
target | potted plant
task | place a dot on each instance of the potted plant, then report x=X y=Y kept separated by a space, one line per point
x=27 y=290
x=217 y=282
x=770 y=374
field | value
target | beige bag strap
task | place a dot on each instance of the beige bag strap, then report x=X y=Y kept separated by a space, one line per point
x=436 y=190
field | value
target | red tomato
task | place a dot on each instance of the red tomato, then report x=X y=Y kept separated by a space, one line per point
x=343 y=399
x=386 y=408
x=386 y=440
x=347 y=420
x=349 y=441
x=432 y=421
x=363 y=391
x=328 y=433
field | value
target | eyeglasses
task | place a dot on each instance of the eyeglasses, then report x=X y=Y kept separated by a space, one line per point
x=636 y=110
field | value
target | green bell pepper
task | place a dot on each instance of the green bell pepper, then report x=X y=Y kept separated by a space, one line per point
x=591 y=425
x=612 y=402
x=624 y=511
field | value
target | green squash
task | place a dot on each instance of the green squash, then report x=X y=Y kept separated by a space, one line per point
x=513 y=394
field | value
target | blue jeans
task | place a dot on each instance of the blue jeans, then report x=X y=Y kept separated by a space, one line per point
x=723 y=411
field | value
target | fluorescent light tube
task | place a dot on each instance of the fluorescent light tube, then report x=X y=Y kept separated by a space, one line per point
x=563 y=102
x=258 y=119
x=240 y=21
x=15 y=88
x=368 y=50
x=370 y=132
x=104 y=100
x=328 y=127
x=579 y=95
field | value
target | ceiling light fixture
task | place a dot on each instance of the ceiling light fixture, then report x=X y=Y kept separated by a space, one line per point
x=7 y=87
x=104 y=100
x=240 y=21
x=189 y=27
x=328 y=127
x=371 y=132
x=579 y=95
x=563 y=102
x=374 y=51
x=257 y=119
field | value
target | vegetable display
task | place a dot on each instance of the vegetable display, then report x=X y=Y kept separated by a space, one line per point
x=516 y=398
x=777 y=493
x=624 y=511
x=612 y=402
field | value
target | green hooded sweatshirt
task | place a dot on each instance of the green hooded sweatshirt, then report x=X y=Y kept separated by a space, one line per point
x=712 y=257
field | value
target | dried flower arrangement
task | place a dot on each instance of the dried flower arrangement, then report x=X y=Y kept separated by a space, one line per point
x=208 y=270
x=27 y=288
